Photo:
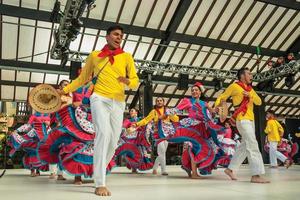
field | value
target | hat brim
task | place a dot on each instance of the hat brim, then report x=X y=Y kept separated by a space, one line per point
x=45 y=99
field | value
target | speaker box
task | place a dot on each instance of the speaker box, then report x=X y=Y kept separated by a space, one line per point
x=75 y=69
x=183 y=82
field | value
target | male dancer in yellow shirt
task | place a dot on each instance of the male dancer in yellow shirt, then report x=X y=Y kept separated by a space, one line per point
x=275 y=133
x=114 y=69
x=243 y=99
x=159 y=113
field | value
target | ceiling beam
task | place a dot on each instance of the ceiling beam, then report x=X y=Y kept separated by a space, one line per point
x=129 y=92
x=176 y=19
x=226 y=45
x=141 y=31
x=164 y=80
x=33 y=14
x=290 y=4
x=33 y=67
x=21 y=84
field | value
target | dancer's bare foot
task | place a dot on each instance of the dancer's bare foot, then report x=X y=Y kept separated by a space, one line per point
x=229 y=173
x=195 y=176
x=288 y=163
x=52 y=176
x=154 y=172
x=37 y=173
x=61 y=178
x=258 y=179
x=102 y=191
x=77 y=180
x=273 y=167
x=134 y=171
x=33 y=174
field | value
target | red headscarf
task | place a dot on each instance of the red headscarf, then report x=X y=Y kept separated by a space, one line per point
x=200 y=86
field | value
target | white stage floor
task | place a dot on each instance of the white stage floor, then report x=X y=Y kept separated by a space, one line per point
x=16 y=184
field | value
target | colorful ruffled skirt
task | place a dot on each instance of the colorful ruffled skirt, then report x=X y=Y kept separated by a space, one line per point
x=136 y=149
x=29 y=142
x=201 y=143
x=70 y=144
x=285 y=147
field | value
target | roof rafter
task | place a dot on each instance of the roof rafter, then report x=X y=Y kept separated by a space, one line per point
x=178 y=15
x=142 y=31
x=291 y=4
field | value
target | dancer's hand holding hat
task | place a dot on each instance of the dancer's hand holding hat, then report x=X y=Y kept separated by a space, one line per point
x=60 y=92
x=45 y=99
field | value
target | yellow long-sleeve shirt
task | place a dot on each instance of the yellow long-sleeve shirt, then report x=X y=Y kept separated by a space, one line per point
x=153 y=115
x=274 y=130
x=107 y=84
x=236 y=92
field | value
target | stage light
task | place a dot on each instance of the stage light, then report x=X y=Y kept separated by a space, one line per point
x=267 y=86
x=218 y=84
x=77 y=23
x=289 y=80
x=90 y=4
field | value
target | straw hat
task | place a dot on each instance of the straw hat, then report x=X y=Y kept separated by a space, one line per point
x=44 y=99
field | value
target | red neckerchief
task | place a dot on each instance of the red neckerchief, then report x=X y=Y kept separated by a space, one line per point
x=106 y=52
x=158 y=111
x=243 y=106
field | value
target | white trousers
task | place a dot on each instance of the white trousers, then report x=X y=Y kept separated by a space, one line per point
x=248 y=148
x=274 y=154
x=161 y=158
x=107 y=115
x=54 y=169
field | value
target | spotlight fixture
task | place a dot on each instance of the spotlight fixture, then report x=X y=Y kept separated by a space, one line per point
x=70 y=24
x=218 y=84
x=289 y=80
x=267 y=86
x=91 y=4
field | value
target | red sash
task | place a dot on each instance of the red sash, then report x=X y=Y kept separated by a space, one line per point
x=243 y=106
x=106 y=52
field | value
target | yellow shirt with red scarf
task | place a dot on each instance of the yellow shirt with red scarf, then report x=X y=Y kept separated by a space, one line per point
x=274 y=130
x=154 y=115
x=236 y=92
x=107 y=84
